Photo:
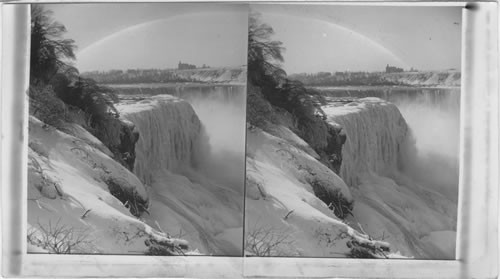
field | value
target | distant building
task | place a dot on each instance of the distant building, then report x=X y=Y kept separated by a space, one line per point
x=392 y=69
x=185 y=66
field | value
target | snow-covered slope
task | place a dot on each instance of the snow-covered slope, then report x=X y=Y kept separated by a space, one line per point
x=415 y=219
x=284 y=217
x=284 y=211
x=80 y=200
x=173 y=156
x=78 y=191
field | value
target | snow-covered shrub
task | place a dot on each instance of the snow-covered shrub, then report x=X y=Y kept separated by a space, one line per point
x=93 y=107
x=263 y=241
x=81 y=118
x=85 y=94
x=259 y=110
x=331 y=154
x=119 y=136
x=313 y=130
x=108 y=130
x=326 y=238
x=333 y=198
x=167 y=247
x=367 y=249
x=44 y=105
x=130 y=198
x=359 y=252
x=59 y=238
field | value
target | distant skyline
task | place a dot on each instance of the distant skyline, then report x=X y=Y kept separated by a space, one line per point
x=316 y=37
x=365 y=38
x=154 y=35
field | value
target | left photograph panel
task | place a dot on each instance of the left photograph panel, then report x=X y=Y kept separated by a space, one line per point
x=137 y=129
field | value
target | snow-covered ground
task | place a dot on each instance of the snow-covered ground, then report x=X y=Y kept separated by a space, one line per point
x=192 y=198
x=282 y=212
x=412 y=219
x=77 y=192
x=70 y=205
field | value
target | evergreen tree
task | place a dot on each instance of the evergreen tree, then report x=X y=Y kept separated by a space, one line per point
x=50 y=53
x=264 y=55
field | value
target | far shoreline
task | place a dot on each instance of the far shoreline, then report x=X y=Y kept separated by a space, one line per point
x=378 y=87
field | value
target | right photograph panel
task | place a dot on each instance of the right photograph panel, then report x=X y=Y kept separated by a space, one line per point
x=352 y=131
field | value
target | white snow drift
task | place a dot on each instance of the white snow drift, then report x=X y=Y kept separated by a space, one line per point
x=70 y=208
x=283 y=216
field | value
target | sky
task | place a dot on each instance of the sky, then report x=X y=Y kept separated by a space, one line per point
x=154 y=35
x=365 y=38
x=316 y=37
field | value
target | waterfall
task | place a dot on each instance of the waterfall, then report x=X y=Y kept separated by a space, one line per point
x=431 y=114
x=196 y=186
x=376 y=133
x=392 y=184
x=170 y=135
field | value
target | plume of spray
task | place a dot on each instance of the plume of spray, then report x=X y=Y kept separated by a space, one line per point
x=432 y=156
x=222 y=156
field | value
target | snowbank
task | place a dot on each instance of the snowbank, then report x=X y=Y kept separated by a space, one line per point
x=71 y=208
x=292 y=138
x=79 y=132
x=282 y=211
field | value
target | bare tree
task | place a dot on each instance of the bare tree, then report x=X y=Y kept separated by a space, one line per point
x=262 y=241
x=60 y=239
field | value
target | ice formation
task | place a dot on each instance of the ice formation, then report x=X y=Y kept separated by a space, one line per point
x=376 y=133
x=170 y=134
x=175 y=158
x=376 y=156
